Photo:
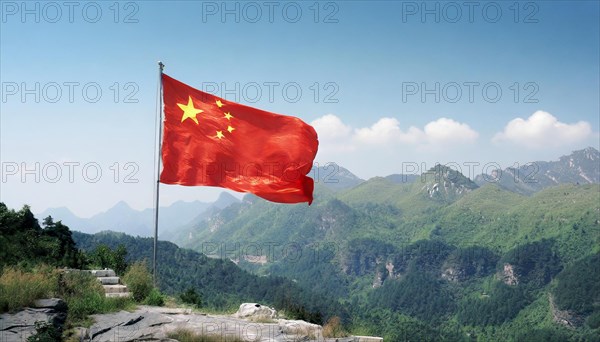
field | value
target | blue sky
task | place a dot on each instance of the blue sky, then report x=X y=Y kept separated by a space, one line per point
x=368 y=72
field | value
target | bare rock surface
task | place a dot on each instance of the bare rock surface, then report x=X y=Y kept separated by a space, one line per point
x=154 y=323
x=19 y=326
x=253 y=322
x=255 y=310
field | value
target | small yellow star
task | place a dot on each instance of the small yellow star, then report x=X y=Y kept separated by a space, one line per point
x=219 y=103
x=220 y=135
x=228 y=116
x=189 y=111
x=230 y=129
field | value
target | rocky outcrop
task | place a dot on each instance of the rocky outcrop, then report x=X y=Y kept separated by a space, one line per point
x=149 y=323
x=508 y=275
x=19 y=326
x=564 y=317
x=154 y=324
x=255 y=310
x=453 y=274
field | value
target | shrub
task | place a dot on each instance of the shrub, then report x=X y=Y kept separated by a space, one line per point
x=83 y=293
x=45 y=332
x=138 y=280
x=155 y=298
x=190 y=296
x=19 y=288
x=333 y=328
x=85 y=296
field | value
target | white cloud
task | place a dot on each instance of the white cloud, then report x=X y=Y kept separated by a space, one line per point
x=448 y=131
x=542 y=129
x=383 y=131
x=330 y=127
x=442 y=132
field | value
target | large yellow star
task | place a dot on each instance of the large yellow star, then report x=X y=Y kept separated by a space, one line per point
x=189 y=111
x=220 y=135
x=219 y=103
x=228 y=116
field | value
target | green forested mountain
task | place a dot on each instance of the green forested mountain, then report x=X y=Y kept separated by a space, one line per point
x=438 y=258
x=222 y=284
x=439 y=253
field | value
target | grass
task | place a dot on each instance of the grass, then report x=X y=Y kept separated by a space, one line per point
x=186 y=335
x=19 y=288
x=80 y=290
x=333 y=328
x=85 y=296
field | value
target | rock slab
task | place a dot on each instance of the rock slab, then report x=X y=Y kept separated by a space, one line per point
x=17 y=327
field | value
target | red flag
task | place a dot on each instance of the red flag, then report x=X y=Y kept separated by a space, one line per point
x=211 y=141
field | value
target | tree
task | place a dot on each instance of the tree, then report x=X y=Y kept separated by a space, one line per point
x=104 y=257
x=190 y=296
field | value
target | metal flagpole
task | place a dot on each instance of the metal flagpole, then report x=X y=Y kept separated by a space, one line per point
x=160 y=128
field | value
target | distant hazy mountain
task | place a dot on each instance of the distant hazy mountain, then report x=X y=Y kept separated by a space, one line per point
x=122 y=218
x=334 y=177
x=580 y=167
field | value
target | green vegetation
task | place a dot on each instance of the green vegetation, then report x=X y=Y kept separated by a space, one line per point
x=429 y=256
x=534 y=264
x=221 y=284
x=190 y=296
x=138 y=280
x=578 y=289
x=20 y=288
x=85 y=296
x=104 y=257
x=35 y=264
x=45 y=332
x=155 y=298
x=501 y=304
x=23 y=241
x=437 y=259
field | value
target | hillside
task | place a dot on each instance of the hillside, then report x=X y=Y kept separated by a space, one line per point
x=428 y=252
x=221 y=283
x=435 y=258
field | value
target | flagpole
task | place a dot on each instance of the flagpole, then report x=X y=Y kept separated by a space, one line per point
x=159 y=158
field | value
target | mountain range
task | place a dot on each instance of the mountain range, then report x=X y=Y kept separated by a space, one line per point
x=580 y=167
x=433 y=255
x=122 y=218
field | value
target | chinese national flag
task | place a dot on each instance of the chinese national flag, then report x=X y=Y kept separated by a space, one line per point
x=211 y=141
